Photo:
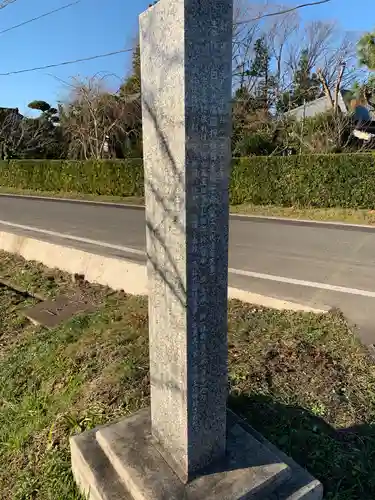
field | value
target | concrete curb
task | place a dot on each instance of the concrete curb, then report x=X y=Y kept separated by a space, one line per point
x=119 y=274
x=273 y=303
x=116 y=273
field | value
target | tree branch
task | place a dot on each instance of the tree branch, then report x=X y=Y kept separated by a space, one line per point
x=326 y=89
x=338 y=85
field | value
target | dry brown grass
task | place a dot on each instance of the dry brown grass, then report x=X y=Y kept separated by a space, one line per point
x=302 y=380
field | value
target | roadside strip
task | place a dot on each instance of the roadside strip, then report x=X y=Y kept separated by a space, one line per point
x=117 y=273
x=234 y=215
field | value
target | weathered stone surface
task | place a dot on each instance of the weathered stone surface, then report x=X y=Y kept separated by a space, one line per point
x=186 y=447
x=186 y=57
x=130 y=467
x=93 y=473
x=247 y=469
x=301 y=485
x=50 y=313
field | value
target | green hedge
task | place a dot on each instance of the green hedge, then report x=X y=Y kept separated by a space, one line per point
x=346 y=180
x=337 y=180
x=116 y=178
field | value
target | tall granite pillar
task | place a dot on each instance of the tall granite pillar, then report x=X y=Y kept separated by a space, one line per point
x=186 y=57
x=189 y=446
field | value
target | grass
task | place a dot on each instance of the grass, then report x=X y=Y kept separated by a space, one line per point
x=303 y=380
x=347 y=215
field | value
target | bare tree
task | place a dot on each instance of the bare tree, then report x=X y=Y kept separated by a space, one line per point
x=22 y=137
x=244 y=37
x=339 y=79
x=280 y=31
x=340 y=53
x=332 y=94
x=326 y=88
x=94 y=120
x=327 y=47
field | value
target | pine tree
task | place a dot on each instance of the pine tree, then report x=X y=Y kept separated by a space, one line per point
x=306 y=86
x=47 y=112
x=260 y=69
x=132 y=84
x=366 y=50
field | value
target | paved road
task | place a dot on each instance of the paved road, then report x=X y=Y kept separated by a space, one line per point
x=316 y=264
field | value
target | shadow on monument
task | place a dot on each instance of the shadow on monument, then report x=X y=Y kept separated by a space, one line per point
x=239 y=457
x=342 y=459
x=187 y=161
x=177 y=286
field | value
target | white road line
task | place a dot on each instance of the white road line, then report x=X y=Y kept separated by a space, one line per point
x=73 y=238
x=309 y=284
x=240 y=272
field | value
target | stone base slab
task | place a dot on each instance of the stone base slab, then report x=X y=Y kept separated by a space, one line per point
x=120 y=461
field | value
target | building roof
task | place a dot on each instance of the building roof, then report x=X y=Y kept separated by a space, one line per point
x=313 y=108
x=5 y=112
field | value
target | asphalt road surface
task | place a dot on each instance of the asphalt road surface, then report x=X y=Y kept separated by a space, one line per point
x=320 y=265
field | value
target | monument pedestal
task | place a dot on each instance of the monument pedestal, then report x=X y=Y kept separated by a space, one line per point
x=121 y=461
x=203 y=452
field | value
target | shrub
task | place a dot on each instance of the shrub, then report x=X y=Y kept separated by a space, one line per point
x=335 y=180
x=117 y=178
x=258 y=143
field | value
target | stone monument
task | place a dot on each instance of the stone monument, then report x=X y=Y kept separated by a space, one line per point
x=188 y=446
x=186 y=95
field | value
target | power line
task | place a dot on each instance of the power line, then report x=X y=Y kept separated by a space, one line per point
x=38 y=17
x=286 y=11
x=65 y=63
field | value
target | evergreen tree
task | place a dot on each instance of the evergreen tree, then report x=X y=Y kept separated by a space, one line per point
x=366 y=50
x=306 y=86
x=48 y=113
x=132 y=84
x=260 y=69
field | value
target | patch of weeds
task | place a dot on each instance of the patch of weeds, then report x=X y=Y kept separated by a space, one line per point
x=334 y=214
x=302 y=380
x=309 y=388
x=53 y=384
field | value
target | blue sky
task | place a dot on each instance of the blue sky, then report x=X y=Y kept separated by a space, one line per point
x=93 y=27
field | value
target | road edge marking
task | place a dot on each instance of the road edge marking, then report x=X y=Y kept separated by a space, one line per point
x=116 y=273
x=239 y=272
x=71 y=237
x=233 y=215
x=305 y=283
